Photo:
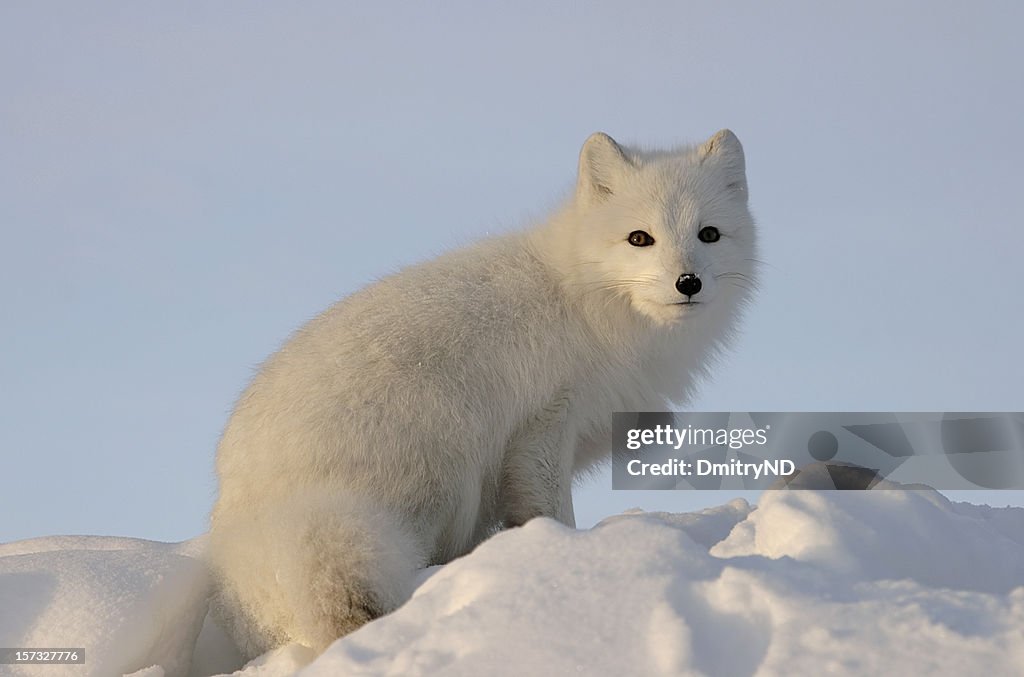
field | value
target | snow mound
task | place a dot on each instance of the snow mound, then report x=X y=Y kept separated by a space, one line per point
x=131 y=604
x=885 y=534
x=876 y=582
x=808 y=583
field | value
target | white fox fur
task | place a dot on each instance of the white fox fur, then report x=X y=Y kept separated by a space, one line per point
x=459 y=396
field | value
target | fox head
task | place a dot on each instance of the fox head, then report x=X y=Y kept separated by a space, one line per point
x=668 y=232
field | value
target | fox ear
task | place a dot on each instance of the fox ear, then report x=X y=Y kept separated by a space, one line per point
x=602 y=164
x=725 y=151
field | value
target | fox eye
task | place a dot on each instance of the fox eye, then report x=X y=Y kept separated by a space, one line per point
x=709 y=234
x=640 y=238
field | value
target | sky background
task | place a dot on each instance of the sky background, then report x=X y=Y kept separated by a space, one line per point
x=184 y=184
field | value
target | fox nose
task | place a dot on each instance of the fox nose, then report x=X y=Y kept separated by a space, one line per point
x=688 y=284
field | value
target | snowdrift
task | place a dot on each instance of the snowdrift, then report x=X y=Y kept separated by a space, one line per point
x=807 y=583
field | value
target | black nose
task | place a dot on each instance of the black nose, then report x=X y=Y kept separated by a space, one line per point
x=688 y=284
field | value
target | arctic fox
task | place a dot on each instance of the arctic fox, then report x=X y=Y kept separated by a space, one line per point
x=460 y=396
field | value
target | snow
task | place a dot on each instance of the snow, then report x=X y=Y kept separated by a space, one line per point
x=806 y=583
x=129 y=603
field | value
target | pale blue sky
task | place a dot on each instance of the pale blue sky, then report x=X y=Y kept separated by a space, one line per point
x=183 y=184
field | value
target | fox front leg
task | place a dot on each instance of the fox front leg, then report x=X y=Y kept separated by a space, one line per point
x=536 y=478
